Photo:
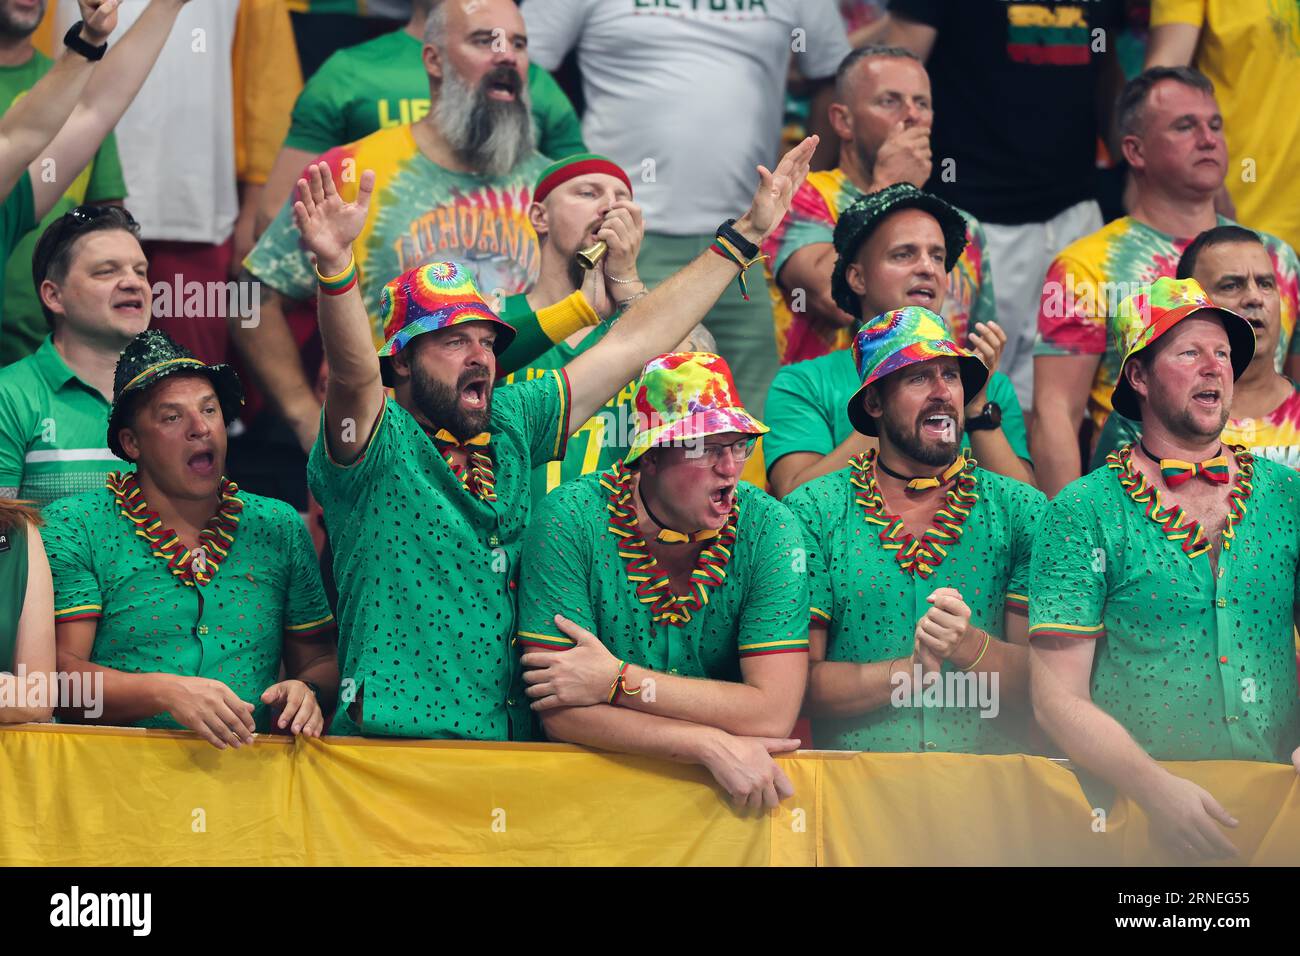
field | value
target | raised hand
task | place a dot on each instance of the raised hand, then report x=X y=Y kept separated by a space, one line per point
x=98 y=20
x=904 y=157
x=776 y=190
x=329 y=225
x=987 y=341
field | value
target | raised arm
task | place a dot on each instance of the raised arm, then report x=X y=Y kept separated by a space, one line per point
x=27 y=127
x=354 y=394
x=655 y=324
x=118 y=79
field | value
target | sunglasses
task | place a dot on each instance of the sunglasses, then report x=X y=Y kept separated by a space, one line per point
x=71 y=224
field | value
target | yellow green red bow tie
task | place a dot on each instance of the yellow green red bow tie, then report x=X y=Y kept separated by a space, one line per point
x=926 y=482
x=667 y=535
x=1177 y=472
x=444 y=438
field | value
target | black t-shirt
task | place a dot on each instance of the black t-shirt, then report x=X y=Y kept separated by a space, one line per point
x=1015 y=101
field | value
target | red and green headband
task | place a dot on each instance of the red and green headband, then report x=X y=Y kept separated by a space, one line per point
x=571 y=167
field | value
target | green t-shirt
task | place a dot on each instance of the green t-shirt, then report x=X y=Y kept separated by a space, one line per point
x=420 y=212
x=53 y=429
x=600 y=441
x=807 y=407
x=112 y=561
x=13 y=590
x=426 y=571
x=869 y=580
x=383 y=83
x=586 y=559
x=1196 y=665
x=24 y=324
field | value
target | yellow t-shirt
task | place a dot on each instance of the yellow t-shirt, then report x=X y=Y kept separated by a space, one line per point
x=1250 y=50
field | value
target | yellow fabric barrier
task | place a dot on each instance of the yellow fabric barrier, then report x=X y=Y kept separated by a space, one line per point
x=125 y=797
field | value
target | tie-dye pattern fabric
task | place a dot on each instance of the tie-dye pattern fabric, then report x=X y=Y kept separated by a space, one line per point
x=419 y=213
x=685 y=395
x=1088 y=280
x=431 y=297
x=816 y=208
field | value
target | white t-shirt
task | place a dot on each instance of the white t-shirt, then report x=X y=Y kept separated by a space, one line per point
x=687 y=95
x=177 y=138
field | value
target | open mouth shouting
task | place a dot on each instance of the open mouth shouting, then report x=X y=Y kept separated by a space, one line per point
x=939 y=426
x=502 y=84
x=923 y=294
x=1209 y=398
x=202 y=464
x=474 y=394
x=721 y=499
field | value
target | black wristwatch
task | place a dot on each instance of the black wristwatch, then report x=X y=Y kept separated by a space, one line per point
x=987 y=420
x=728 y=231
x=72 y=40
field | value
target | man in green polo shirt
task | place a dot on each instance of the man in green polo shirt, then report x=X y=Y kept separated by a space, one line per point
x=426 y=496
x=1164 y=588
x=897 y=248
x=178 y=591
x=918 y=562
x=89 y=272
x=382 y=83
x=675 y=592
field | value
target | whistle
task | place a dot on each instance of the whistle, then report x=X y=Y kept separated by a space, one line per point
x=588 y=258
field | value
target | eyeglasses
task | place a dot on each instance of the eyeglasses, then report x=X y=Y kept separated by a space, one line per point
x=709 y=456
x=71 y=223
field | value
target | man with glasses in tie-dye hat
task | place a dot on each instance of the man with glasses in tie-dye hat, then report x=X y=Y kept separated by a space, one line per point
x=918 y=562
x=426 y=495
x=674 y=593
x=1164 y=586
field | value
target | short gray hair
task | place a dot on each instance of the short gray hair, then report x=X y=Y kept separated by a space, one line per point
x=435 y=25
x=864 y=53
x=1133 y=100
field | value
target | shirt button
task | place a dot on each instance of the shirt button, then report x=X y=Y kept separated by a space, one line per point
x=494 y=542
x=931 y=745
x=203 y=630
x=510 y=702
x=1223 y=660
x=1233 y=718
x=1222 y=602
x=672 y=670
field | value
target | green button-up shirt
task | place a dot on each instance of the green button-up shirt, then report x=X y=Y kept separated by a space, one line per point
x=869 y=580
x=53 y=429
x=1196 y=664
x=427 y=570
x=585 y=559
x=113 y=562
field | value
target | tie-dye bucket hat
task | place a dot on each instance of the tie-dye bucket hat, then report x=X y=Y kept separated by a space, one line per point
x=1143 y=318
x=687 y=395
x=900 y=338
x=428 y=298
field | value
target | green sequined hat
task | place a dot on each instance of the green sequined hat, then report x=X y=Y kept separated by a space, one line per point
x=860 y=220
x=1141 y=319
x=152 y=356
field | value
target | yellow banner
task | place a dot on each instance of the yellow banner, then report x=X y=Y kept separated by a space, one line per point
x=125 y=797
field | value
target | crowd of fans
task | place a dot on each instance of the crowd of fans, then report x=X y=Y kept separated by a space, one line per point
x=840 y=360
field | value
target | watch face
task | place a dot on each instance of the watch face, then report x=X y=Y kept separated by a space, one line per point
x=993 y=411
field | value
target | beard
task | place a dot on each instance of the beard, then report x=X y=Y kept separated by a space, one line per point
x=1181 y=423
x=440 y=403
x=906 y=437
x=13 y=28
x=490 y=136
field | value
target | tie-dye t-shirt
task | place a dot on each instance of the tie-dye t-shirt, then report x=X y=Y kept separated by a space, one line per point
x=811 y=219
x=1087 y=281
x=1275 y=436
x=419 y=212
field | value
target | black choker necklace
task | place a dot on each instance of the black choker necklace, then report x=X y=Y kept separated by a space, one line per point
x=925 y=482
x=667 y=535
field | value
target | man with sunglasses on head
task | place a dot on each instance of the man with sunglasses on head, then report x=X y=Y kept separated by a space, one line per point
x=663 y=604
x=89 y=272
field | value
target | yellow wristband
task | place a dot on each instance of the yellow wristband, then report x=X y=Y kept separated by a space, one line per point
x=352 y=262
x=567 y=316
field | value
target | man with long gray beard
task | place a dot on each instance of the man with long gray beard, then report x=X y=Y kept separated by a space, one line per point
x=456 y=185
